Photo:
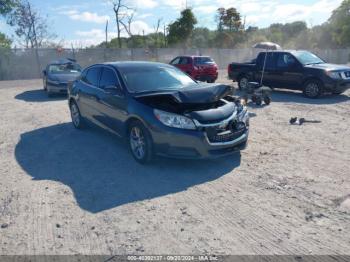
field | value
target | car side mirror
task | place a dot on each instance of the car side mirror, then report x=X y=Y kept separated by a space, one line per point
x=114 y=90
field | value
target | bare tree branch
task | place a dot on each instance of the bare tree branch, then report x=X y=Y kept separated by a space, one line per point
x=121 y=14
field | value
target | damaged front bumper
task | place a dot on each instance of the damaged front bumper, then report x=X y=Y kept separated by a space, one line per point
x=201 y=143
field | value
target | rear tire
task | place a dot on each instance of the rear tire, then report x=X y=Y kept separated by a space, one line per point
x=313 y=88
x=243 y=83
x=77 y=119
x=45 y=83
x=140 y=143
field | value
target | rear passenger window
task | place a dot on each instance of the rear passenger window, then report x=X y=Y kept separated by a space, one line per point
x=92 y=76
x=185 y=61
x=270 y=60
x=108 y=78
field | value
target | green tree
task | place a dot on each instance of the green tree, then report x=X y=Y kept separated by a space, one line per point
x=4 y=41
x=181 y=30
x=229 y=19
x=340 y=24
x=6 y=6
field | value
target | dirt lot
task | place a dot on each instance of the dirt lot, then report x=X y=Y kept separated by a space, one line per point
x=65 y=191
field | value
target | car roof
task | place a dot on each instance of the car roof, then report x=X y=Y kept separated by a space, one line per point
x=283 y=51
x=134 y=64
x=63 y=61
x=194 y=56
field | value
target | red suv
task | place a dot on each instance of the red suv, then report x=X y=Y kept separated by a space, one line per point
x=201 y=68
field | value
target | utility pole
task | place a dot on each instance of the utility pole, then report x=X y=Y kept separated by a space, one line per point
x=165 y=35
x=106 y=32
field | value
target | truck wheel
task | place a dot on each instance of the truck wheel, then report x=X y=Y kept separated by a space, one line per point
x=243 y=83
x=313 y=88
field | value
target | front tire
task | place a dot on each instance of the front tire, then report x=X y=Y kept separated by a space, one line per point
x=140 y=143
x=313 y=89
x=77 y=120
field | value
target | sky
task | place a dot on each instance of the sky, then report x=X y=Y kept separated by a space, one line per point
x=82 y=23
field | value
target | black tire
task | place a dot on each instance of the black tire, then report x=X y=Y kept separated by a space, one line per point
x=313 y=88
x=258 y=101
x=45 y=83
x=140 y=143
x=77 y=120
x=243 y=82
x=267 y=100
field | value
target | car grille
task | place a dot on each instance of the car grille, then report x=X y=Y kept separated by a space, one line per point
x=222 y=135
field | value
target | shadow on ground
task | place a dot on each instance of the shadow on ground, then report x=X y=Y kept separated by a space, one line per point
x=38 y=95
x=298 y=97
x=290 y=96
x=100 y=170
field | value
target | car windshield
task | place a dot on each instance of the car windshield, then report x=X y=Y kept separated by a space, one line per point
x=154 y=78
x=307 y=58
x=64 y=68
x=203 y=60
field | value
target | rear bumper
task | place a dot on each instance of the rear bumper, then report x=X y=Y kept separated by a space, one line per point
x=61 y=88
x=204 y=78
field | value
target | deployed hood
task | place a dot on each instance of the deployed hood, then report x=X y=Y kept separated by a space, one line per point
x=203 y=102
x=330 y=67
x=199 y=94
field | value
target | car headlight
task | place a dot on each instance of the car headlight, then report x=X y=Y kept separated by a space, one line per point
x=334 y=75
x=174 y=120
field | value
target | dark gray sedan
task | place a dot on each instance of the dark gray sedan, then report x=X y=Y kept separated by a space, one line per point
x=159 y=110
x=58 y=74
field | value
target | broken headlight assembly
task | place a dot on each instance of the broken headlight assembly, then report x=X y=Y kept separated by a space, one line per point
x=174 y=120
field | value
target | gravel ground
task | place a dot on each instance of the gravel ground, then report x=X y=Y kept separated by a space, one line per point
x=65 y=191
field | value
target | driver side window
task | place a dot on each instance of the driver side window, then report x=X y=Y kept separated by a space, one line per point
x=285 y=60
x=108 y=78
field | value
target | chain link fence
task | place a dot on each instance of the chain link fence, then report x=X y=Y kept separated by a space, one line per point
x=18 y=64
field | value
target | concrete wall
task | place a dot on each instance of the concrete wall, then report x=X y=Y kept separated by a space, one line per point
x=22 y=64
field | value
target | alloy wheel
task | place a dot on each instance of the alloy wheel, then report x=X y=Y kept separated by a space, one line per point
x=138 y=143
x=312 y=89
x=75 y=114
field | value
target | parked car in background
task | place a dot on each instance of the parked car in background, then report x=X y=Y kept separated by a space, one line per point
x=58 y=74
x=299 y=70
x=201 y=68
x=160 y=110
